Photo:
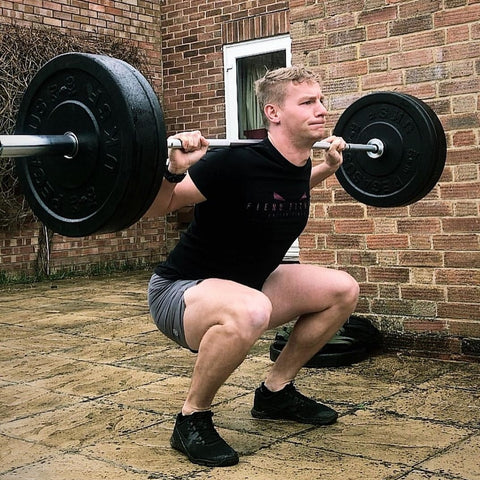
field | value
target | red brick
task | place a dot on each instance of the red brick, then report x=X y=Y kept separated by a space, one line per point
x=459 y=225
x=386 y=274
x=411 y=59
x=319 y=257
x=422 y=40
x=465 y=294
x=459 y=310
x=464 y=139
x=380 y=47
x=348 y=69
x=453 y=276
x=382 y=81
x=413 y=9
x=468 y=14
x=468 y=241
x=352 y=43
x=462 y=260
x=387 y=242
x=347 y=242
x=464 y=328
x=376 y=31
x=431 y=209
x=379 y=15
x=459 y=191
x=421 y=258
x=346 y=211
x=425 y=226
x=422 y=292
x=334 y=7
x=353 y=226
x=424 y=325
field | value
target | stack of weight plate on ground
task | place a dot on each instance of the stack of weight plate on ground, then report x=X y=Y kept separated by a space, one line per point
x=354 y=342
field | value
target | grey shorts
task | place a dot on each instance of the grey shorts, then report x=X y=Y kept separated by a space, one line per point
x=167 y=306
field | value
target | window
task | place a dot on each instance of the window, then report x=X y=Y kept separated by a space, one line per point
x=244 y=63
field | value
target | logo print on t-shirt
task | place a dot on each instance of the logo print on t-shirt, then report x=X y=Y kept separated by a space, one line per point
x=277 y=196
x=281 y=206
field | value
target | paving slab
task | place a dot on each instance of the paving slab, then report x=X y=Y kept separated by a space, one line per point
x=460 y=460
x=90 y=389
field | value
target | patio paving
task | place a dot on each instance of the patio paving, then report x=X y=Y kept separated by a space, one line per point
x=89 y=389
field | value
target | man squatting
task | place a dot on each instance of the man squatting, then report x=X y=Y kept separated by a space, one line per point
x=224 y=283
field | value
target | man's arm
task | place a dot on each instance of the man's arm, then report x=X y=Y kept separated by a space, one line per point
x=320 y=172
x=333 y=160
x=172 y=196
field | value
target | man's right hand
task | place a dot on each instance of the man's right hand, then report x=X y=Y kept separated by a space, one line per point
x=194 y=147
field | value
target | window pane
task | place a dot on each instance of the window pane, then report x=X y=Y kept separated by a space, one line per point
x=250 y=69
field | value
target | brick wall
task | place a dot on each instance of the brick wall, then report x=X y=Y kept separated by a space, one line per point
x=419 y=266
x=138 y=23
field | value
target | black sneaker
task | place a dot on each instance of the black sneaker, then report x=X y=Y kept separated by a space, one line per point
x=196 y=437
x=290 y=404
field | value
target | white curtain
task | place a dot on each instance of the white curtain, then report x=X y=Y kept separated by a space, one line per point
x=249 y=70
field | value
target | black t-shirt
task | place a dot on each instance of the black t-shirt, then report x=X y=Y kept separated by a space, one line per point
x=257 y=205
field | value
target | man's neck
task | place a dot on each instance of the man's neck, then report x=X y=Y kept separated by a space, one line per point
x=296 y=154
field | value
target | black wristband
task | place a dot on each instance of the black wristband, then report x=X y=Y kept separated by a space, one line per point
x=173 y=177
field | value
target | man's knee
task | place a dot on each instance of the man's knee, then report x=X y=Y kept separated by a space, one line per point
x=251 y=316
x=352 y=287
x=348 y=289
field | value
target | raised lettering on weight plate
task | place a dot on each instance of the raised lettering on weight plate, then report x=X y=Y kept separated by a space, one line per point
x=110 y=163
x=108 y=128
x=84 y=204
x=35 y=118
x=386 y=185
x=45 y=190
x=393 y=115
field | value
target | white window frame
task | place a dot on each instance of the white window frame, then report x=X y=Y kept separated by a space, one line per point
x=240 y=50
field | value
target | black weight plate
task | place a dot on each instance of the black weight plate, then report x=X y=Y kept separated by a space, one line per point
x=149 y=162
x=440 y=148
x=400 y=174
x=433 y=145
x=155 y=152
x=95 y=98
x=344 y=353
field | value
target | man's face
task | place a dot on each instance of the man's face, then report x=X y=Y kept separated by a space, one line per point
x=302 y=115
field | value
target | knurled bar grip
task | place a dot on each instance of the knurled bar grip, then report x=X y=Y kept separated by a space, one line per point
x=374 y=146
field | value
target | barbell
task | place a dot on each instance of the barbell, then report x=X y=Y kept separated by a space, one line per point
x=90 y=146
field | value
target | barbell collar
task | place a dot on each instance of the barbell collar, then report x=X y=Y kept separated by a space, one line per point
x=380 y=148
x=32 y=145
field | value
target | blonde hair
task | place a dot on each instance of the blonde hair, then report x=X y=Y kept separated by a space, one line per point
x=272 y=87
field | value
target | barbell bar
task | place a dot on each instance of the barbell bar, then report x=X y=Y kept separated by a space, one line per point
x=67 y=145
x=102 y=118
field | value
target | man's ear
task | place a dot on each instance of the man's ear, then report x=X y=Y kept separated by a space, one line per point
x=272 y=113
